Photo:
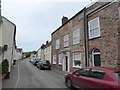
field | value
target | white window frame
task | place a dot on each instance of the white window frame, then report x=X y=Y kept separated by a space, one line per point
x=60 y=59
x=66 y=40
x=57 y=43
x=54 y=59
x=94 y=31
x=77 y=59
x=76 y=36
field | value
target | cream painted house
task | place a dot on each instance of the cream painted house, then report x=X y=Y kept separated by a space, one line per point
x=17 y=53
x=44 y=52
x=7 y=40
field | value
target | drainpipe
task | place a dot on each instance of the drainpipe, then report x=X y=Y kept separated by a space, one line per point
x=86 y=39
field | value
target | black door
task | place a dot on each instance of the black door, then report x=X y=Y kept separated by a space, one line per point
x=66 y=58
x=97 y=61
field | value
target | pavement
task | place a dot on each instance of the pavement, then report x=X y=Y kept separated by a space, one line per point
x=59 y=71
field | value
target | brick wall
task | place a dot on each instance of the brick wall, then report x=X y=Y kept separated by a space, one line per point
x=108 y=42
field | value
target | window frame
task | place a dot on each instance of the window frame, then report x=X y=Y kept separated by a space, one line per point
x=76 y=36
x=60 y=59
x=57 y=45
x=54 y=59
x=78 y=59
x=66 y=40
x=97 y=28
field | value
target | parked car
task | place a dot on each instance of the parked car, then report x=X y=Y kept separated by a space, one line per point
x=98 y=78
x=31 y=60
x=44 y=64
x=35 y=61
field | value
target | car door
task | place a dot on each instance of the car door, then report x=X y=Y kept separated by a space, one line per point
x=79 y=76
x=95 y=79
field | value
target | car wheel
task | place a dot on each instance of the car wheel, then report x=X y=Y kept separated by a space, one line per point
x=37 y=66
x=69 y=83
x=49 y=68
x=40 y=67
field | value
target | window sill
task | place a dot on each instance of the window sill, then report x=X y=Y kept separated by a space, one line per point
x=94 y=38
x=76 y=66
x=60 y=64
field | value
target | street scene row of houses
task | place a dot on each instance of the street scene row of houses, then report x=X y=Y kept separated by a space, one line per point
x=89 y=38
x=8 y=48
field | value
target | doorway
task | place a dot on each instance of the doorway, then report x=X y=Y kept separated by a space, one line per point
x=66 y=62
x=96 y=57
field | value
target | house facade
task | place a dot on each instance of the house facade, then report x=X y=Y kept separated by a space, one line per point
x=7 y=40
x=90 y=38
x=104 y=34
x=18 y=53
x=44 y=52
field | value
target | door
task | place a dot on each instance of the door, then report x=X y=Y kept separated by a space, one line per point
x=79 y=78
x=96 y=57
x=66 y=60
x=97 y=61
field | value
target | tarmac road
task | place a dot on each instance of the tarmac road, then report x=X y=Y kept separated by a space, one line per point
x=26 y=75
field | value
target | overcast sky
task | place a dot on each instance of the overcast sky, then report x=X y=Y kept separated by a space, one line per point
x=37 y=19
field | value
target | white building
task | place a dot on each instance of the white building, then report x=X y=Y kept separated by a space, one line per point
x=17 y=53
x=7 y=40
x=44 y=52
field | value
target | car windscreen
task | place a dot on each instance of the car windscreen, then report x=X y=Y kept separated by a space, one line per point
x=47 y=62
x=117 y=75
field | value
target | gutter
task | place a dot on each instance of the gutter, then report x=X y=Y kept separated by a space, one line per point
x=99 y=8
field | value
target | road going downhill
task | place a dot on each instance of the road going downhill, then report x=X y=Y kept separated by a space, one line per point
x=26 y=75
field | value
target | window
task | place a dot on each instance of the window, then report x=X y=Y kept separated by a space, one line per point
x=77 y=59
x=57 y=43
x=76 y=36
x=117 y=75
x=60 y=59
x=66 y=40
x=54 y=59
x=99 y=74
x=83 y=72
x=94 y=28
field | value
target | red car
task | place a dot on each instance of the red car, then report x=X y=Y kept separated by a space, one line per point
x=94 y=78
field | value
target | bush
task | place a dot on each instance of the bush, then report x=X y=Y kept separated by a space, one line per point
x=5 y=66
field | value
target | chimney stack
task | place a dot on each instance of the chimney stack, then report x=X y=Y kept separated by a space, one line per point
x=64 y=20
x=47 y=42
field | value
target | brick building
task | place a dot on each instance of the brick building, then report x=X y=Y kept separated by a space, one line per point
x=104 y=46
x=90 y=38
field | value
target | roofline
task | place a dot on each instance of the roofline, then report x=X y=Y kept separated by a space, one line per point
x=49 y=44
x=86 y=7
x=69 y=20
x=14 y=29
x=8 y=20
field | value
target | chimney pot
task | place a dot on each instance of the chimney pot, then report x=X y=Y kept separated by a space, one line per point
x=64 y=20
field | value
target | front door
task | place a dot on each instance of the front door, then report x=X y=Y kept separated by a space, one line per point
x=66 y=60
x=97 y=61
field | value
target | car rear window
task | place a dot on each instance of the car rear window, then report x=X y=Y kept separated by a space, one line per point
x=117 y=75
x=48 y=62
